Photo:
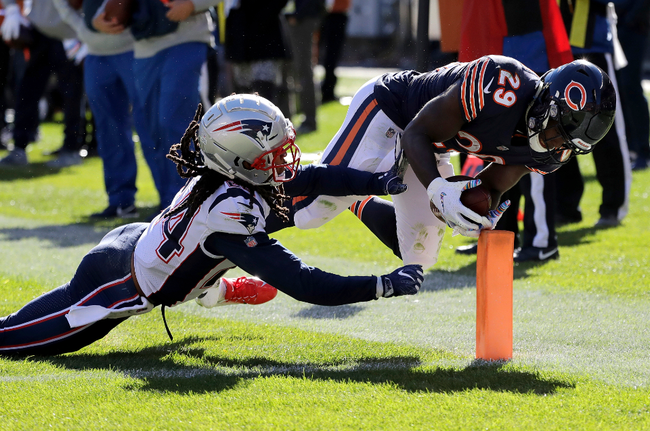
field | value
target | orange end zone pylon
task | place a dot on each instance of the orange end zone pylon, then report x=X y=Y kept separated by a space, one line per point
x=494 y=272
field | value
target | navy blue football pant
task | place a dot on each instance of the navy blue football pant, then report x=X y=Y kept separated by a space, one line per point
x=102 y=278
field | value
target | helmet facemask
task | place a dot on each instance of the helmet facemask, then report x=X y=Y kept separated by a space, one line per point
x=542 y=112
x=283 y=160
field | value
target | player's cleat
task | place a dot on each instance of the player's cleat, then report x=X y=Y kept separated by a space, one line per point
x=535 y=254
x=242 y=290
x=248 y=290
x=113 y=211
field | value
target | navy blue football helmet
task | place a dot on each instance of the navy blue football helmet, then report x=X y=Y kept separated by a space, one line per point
x=580 y=100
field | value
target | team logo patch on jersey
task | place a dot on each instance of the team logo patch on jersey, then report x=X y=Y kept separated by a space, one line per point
x=256 y=129
x=577 y=98
x=249 y=221
x=390 y=132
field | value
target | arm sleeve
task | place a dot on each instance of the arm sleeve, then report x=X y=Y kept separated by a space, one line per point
x=71 y=17
x=279 y=267
x=314 y=180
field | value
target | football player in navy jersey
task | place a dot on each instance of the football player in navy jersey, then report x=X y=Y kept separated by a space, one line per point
x=494 y=108
x=245 y=169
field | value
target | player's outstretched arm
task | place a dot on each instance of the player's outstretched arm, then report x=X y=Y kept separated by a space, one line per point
x=279 y=267
x=336 y=180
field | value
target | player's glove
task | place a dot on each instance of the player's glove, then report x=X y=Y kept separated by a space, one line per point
x=471 y=233
x=406 y=280
x=493 y=217
x=400 y=158
x=390 y=182
x=445 y=195
x=11 y=25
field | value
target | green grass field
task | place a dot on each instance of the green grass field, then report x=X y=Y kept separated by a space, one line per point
x=581 y=332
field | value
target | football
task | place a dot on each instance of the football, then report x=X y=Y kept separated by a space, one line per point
x=120 y=10
x=478 y=199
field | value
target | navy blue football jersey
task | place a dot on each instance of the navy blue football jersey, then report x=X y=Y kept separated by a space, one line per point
x=494 y=95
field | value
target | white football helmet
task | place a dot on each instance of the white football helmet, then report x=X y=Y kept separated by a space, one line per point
x=248 y=137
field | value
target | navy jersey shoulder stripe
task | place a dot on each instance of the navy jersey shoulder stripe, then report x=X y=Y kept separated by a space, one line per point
x=234 y=192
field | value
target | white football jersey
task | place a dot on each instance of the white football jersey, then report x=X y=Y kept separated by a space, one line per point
x=171 y=260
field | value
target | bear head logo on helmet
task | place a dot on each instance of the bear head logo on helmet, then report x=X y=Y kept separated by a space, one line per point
x=579 y=100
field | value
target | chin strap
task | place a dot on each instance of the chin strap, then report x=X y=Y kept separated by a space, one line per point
x=162 y=311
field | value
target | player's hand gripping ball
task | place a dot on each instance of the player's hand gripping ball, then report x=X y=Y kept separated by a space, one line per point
x=477 y=199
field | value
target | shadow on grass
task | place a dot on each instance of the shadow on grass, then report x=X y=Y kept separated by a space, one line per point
x=29 y=172
x=157 y=369
x=574 y=237
x=438 y=280
x=86 y=232
x=58 y=235
x=322 y=312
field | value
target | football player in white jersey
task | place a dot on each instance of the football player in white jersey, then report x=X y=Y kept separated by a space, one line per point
x=242 y=166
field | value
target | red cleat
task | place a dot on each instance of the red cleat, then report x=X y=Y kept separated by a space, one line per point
x=248 y=290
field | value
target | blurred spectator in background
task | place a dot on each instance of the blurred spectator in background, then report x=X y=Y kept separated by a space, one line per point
x=591 y=38
x=171 y=45
x=445 y=50
x=213 y=74
x=532 y=32
x=633 y=23
x=5 y=89
x=110 y=87
x=256 y=46
x=45 y=32
x=332 y=39
x=304 y=18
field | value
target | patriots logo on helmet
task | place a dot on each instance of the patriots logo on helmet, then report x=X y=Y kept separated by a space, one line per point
x=249 y=221
x=256 y=129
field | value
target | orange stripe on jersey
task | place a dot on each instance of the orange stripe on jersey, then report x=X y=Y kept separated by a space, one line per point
x=463 y=95
x=472 y=96
x=482 y=81
x=353 y=133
